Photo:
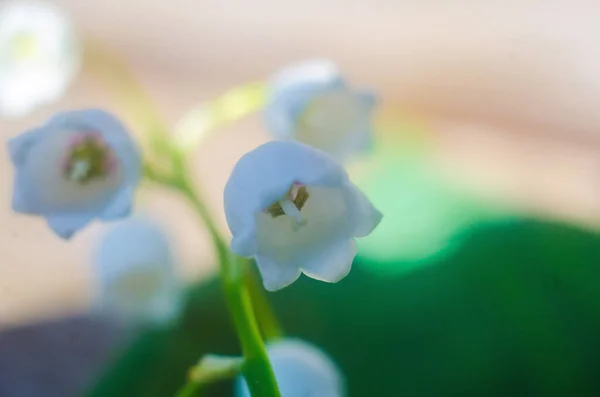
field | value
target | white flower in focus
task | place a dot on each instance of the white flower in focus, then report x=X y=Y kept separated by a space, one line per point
x=39 y=55
x=79 y=166
x=135 y=275
x=293 y=209
x=312 y=103
x=301 y=370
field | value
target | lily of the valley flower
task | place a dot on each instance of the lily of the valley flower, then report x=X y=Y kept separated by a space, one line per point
x=312 y=103
x=293 y=209
x=301 y=370
x=79 y=166
x=135 y=276
x=39 y=55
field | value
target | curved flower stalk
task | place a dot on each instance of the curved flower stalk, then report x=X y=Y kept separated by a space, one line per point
x=301 y=370
x=39 y=55
x=177 y=177
x=312 y=103
x=135 y=273
x=231 y=106
x=78 y=166
x=293 y=209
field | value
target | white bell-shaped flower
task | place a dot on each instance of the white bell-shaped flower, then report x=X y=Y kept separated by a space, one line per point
x=311 y=102
x=293 y=209
x=301 y=370
x=135 y=274
x=79 y=166
x=39 y=55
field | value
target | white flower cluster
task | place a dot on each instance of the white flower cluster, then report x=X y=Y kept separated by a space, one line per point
x=289 y=203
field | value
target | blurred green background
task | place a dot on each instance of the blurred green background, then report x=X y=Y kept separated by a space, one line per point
x=449 y=297
x=514 y=311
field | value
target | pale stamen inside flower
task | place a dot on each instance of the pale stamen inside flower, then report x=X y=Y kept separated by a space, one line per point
x=79 y=170
x=291 y=205
x=88 y=158
x=290 y=210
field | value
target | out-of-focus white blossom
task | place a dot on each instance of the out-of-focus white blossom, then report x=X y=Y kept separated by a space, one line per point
x=301 y=370
x=135 y=273
x=311 y=102
x=39 y=55
x=79 y=166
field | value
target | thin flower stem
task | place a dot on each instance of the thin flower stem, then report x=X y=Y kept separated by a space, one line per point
x=270 y=326
x=257 y=368
x=113 y=72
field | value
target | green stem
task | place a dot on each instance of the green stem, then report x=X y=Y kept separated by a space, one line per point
x=184 y=186
x=241 y=272
x=269 y=324
x=257 y=368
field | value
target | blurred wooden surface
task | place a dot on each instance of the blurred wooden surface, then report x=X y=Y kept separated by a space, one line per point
x=510 y=88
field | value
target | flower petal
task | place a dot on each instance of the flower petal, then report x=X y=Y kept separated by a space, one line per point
x=23 y=200
x=312 y=71
x=164 y=308
x=66 y=225
x=275 y=275
x=367 y=217
x=19 y=146
x=368 y=98
x=120 y=207
x=293 y=87
x=135 y=273
x=244 y=244
x=282 y=112
x=334 y=264
x=301 y=370
x=335 y=121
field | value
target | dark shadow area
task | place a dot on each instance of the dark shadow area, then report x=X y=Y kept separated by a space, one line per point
x=56 y=358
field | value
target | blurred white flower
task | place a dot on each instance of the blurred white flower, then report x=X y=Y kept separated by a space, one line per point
x=135 y=273
x=293 y=209
x=301 y=370
x=312 y=103
x=39 y=55
x=79 y=166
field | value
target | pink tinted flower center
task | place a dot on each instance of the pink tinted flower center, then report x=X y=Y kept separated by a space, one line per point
x=88 y=158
